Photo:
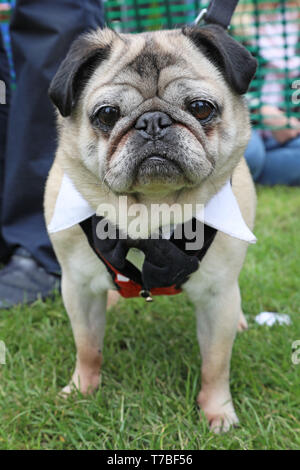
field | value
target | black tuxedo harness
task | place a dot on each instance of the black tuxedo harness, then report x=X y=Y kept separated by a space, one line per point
x=167 y=264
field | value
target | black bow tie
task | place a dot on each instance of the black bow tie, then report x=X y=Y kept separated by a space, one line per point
x=167 y=262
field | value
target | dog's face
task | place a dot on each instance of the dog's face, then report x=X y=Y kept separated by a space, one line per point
x=156 y=112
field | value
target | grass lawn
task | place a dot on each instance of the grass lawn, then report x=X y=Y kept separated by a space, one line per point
x=151 y=370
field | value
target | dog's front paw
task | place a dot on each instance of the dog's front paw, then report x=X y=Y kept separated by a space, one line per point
x=221 y=417
x=223 y=422
x=87 y=385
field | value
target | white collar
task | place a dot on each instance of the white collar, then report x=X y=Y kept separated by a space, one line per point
x=221 y=212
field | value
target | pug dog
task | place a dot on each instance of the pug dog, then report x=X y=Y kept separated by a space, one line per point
x=156 y=117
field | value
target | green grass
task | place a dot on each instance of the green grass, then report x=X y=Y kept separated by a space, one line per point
x=151 y=377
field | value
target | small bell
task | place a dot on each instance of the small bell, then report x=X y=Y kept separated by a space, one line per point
x=146 y=295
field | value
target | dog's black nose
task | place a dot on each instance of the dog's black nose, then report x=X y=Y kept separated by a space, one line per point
x=152 y=125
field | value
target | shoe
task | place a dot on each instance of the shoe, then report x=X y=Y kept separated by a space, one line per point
x=5 y=253
x=23 y=280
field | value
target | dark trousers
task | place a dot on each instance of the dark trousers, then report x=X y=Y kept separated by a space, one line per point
x=4 y=106
x=41 y=34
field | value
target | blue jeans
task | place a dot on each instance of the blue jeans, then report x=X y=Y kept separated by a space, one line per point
x=273 y=163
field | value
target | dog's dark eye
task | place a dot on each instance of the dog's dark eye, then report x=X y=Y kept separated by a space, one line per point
x=202 y=110
x=107 y=116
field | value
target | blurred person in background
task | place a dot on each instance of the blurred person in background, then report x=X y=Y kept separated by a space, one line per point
x=41 y=33
x=273 y=155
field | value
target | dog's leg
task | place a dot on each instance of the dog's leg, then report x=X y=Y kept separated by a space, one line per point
x=217 y=320
x=113 y=298
x=243 y=324
x=87 y=315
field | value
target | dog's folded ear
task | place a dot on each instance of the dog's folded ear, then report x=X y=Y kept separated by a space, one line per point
x=85 y=54
x=236 y=64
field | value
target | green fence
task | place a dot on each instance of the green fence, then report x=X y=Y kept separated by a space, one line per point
x=139 y=15
x=270 y=30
